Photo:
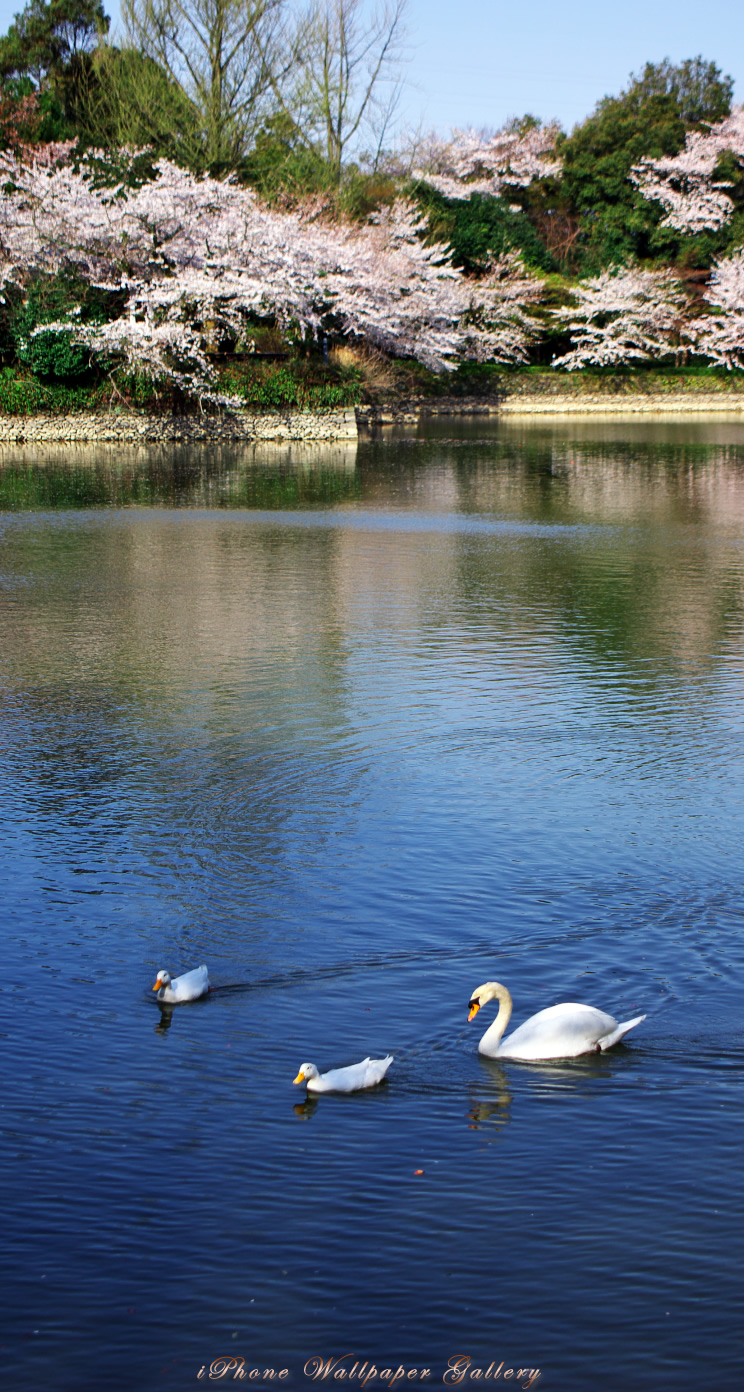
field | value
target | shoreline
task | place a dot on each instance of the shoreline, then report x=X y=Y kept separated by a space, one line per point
x=132 y=427
x=346 y=424
x=375 y=417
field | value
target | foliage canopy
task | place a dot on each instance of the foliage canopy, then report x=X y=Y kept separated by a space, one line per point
x=649 y=119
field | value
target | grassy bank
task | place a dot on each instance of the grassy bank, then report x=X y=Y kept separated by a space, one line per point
x=349 y=377
x=271 y=383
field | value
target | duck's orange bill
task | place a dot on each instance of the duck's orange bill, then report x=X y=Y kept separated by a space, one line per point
x=157 y=985
x=299 y=1078
x=474 y=1008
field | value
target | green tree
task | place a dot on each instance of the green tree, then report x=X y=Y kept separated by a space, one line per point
x=128 y=100
x=46 y=39
x=699 y=90
x=281 y=162
x=65 y=297
x=480 y=228
x=47 y=53
x=650 y=118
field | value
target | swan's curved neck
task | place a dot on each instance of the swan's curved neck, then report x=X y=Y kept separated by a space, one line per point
x=493 y=1035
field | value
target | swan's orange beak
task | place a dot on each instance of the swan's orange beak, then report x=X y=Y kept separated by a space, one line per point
x=474 y=1007
x=299 y=1079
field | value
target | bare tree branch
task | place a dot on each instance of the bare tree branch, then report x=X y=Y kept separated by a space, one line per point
x=218 y=52
x=343 y=77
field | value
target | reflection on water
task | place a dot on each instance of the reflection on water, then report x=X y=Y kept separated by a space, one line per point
x=305 y=1110
x=267 y=475
x=359 y=728
x=493 y=1110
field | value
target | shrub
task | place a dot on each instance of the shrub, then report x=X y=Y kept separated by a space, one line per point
x=52 y=353
x=48 y=300
x=22 y=394
x=282 y=388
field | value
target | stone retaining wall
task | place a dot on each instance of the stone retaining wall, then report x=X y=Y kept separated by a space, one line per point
x=584 y=393
x=528 y=394
x=131 y=428
x=549 y=393
x=411 y=412
x=606 y=405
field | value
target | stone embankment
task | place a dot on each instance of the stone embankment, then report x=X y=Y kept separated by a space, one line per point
x=422 y=408
x=130 y=427
x=528 y=394
x=547 y=393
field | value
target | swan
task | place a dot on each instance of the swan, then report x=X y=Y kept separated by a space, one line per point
x=559 y=1032
x=366 y=1074
x=176 y=990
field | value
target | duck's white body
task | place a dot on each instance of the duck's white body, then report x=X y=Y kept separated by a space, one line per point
x=176 y=990
x=559 y=1032
x=366 y=1074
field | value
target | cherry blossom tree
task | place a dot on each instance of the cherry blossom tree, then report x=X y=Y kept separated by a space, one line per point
x=500 y=314
x=472 y=162
x=187 y=258
x=20 y=119
x=621 y=315
x=720 y=336
x=685 y=184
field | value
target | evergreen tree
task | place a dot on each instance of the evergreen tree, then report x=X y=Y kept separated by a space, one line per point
x=47 y=54
x=47 y=39
x=649 y=119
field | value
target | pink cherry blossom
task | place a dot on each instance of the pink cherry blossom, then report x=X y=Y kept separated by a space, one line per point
x=475 y=163
x=684 y=183
x=720 y=336
x=622 y=315
x=195 y=256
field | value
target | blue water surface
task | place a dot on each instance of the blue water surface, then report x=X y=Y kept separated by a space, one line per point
x=362 y=728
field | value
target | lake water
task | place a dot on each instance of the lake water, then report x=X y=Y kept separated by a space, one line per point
x=362 y=728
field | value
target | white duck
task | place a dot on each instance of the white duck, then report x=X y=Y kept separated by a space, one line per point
x=366 y=1074
x=176 y=990
x=559 y=1032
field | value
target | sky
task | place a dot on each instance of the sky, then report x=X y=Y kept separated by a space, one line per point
x=478 y=62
